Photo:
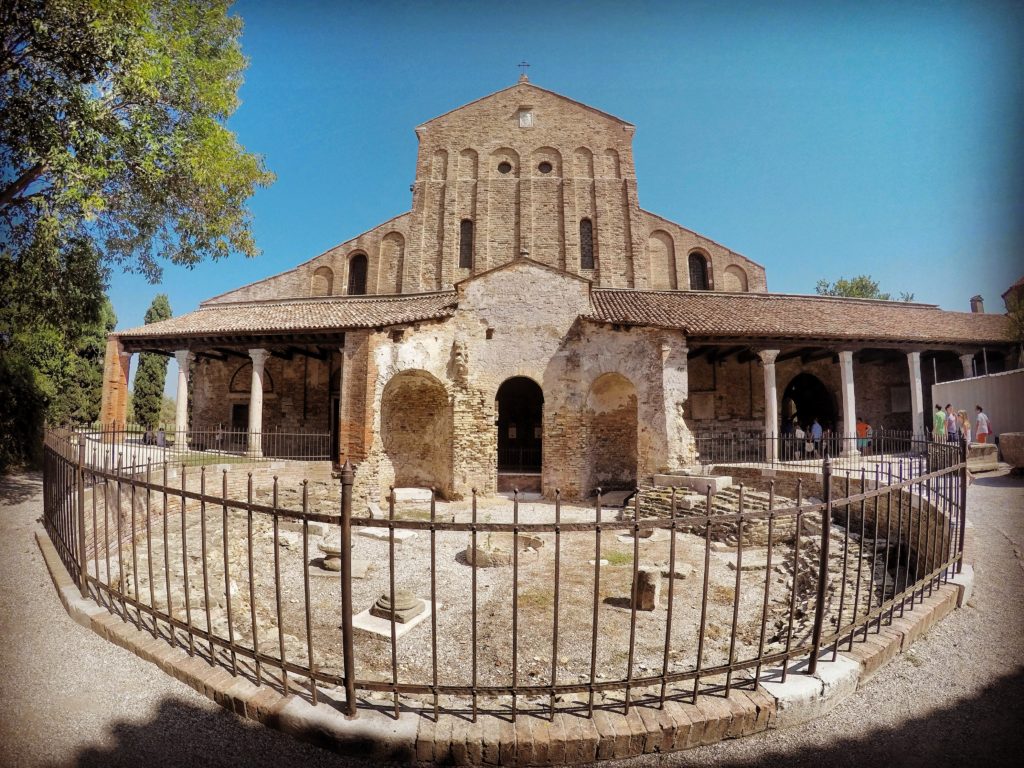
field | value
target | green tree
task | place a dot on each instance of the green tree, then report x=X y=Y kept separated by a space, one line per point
x=114 y=152
x=152 y=371
x=859 y=287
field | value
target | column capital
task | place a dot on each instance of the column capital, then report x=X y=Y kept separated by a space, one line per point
x=845 y=355
x=768 y=356
x=259 y=356
x=184 y=357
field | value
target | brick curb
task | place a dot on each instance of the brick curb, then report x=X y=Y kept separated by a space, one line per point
x=568 y=738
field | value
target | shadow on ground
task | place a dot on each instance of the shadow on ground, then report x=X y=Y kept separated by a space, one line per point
x=985 y=730
x=14 y=489
x=181 y=734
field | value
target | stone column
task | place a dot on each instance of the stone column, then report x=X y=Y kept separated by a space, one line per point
x=916 y=393
x=967 y=361
x=771 y=404
x=184 y=358
x=259 y=359
x=849 y=404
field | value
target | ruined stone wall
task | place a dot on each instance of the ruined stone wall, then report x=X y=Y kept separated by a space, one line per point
x=518 y=321
x=296 y=394
x=725 y=395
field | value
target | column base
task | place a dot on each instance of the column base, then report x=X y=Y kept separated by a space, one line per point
x=849 y=454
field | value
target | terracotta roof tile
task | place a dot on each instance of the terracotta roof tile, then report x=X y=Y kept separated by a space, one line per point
x=707 y=313
x=335 y=313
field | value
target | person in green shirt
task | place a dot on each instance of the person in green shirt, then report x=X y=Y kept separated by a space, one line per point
x=939 y=425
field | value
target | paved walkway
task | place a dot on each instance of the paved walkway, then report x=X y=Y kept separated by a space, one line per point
x=68 y=698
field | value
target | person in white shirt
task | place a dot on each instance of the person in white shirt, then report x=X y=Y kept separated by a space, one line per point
x=983 y=427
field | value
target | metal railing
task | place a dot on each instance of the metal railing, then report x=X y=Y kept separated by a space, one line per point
x=221 y=565
x=847 y=453
x=517 y=458
x=135 y=445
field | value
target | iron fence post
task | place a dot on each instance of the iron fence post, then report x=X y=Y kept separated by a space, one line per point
x=348 y=475
x=83 y=584
x=826 y=524
x=963 y=503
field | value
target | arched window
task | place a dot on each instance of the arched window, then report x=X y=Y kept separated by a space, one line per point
x=357 y=275
x=698 y=272
x=586 y=244
x=466 y=244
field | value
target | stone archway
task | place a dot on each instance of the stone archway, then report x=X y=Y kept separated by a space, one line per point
x=612 y=430
x=520 y=410
x=806 y=398
x=416 y=431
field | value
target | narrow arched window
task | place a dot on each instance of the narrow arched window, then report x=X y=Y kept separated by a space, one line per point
x=586 y=244
x=698 y=272
x=357 y=275
x=466 y=244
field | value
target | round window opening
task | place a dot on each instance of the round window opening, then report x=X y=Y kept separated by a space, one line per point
x=544 y=167
x=504 y=167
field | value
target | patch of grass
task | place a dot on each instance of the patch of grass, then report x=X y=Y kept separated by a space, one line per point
x=617 y=557
x=721 y=594
x=536 y=597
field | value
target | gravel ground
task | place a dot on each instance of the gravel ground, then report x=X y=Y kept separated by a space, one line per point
x=956 y=698
x=68 y=698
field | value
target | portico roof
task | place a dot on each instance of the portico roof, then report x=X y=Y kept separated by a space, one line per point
x=305 y=316
x=784 y=316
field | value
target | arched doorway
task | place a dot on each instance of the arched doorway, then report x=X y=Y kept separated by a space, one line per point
x=806 y=399
x=416 y=431
x=612 y=433
x=520 y=406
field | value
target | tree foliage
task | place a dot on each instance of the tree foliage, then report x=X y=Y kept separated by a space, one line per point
x=152 y=371
x=113 y=153
x=859 y=287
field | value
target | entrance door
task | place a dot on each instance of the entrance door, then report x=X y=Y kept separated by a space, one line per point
x=238 y=435
x=520 y=425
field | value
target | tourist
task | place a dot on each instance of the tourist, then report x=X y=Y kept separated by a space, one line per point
x=816 y=437
x=161 y=438
x=939 y=425
x=964 y=425
x=983 y=428
x=799 y=436
x=951 y=425
x=862 y=434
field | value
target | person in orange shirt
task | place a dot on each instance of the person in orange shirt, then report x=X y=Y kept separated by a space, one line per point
x=863 y=429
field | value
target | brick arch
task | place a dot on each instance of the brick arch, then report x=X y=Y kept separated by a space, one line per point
x=322 y=282
x=241 y=379
x=417 y=431
x=583 y=163
x=468 y=162
x=611 y=416
x=661 y=255
x=546 y=154
x=734 y=279
x=391 y=262
x=503 y=154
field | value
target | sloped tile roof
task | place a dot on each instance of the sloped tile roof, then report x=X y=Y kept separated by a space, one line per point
x=336 y=313
x=707 y=313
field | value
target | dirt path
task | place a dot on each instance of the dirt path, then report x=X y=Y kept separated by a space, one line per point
x=69 y=698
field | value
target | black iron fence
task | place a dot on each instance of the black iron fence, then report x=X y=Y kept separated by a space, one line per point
x=755 y=447
x=133 y=445
x=498 y=604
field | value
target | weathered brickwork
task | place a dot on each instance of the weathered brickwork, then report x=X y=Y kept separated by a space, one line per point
x=525 y=186
x=605 y=389
x=297 y=394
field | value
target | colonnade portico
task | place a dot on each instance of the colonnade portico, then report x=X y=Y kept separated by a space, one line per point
x=894 y=398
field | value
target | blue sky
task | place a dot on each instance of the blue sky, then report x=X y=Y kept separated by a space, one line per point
x=818 y=139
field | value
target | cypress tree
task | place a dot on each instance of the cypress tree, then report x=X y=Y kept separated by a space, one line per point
x=149 y=380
